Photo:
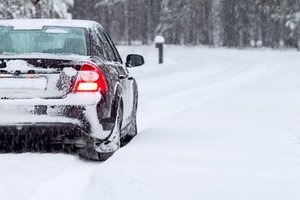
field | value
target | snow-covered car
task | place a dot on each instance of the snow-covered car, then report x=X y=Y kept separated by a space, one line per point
x=64 y=82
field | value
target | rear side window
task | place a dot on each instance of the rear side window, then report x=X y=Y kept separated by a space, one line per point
x=98 y=44
x=107 y=47
x=114 y=48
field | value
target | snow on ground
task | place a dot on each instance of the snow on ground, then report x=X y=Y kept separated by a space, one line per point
x=213 y=124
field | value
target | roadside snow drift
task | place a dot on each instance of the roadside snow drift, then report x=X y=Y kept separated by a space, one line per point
x=213 y=124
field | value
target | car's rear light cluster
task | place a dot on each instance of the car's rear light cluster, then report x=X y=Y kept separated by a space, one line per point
x=90 y=79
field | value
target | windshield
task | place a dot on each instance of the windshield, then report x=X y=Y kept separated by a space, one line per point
x=57 y=40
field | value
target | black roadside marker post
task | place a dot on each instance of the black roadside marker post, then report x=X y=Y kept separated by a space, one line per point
x=159 y=43
x=36 y=1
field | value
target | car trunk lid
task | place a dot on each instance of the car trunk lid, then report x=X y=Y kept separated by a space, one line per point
x=37 y=78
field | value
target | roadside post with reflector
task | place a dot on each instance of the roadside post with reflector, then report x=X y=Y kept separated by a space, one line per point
x=159 y=43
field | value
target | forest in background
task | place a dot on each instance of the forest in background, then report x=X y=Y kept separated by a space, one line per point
x=231 y=23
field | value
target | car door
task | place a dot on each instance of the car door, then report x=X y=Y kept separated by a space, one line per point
x=115 y=62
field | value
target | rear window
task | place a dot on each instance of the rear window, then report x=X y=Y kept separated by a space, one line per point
x=56 y=40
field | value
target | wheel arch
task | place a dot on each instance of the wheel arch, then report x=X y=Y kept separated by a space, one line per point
x=117 y=96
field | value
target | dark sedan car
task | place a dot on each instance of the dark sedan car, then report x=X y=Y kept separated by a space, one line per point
x=64 y=82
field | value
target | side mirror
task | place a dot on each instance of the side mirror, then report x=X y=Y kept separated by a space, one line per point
x=134 y=60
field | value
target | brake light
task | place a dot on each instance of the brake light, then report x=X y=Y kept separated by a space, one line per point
x=90 y=79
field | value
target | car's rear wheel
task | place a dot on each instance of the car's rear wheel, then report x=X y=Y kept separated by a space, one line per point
x=102 y=151
x=114 y=142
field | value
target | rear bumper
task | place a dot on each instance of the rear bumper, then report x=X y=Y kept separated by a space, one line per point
x=82 y=99
x=41 y=135
x=75 y=113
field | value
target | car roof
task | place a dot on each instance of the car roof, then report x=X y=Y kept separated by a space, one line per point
x=40 y=23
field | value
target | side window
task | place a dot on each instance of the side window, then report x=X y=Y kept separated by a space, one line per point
x=107 y=47
x=97 y=45
x=114 y=49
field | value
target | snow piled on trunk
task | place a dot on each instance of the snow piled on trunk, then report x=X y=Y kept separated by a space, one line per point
x=213 y=124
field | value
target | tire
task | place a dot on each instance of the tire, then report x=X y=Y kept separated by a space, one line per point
x=117 y=127
x=114 y=140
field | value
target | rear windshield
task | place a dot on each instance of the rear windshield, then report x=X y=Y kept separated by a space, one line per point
x=56 y=40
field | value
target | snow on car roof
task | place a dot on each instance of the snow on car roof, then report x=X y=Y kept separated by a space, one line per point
x=39 y=23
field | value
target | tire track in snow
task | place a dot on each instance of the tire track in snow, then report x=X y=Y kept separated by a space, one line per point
x=193 y=92
x=37 y=177
x=116 y=187
x=24 y=172
x=68 y=182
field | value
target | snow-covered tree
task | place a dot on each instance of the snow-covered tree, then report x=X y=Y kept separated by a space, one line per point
x=233 y=23
x=15 y=9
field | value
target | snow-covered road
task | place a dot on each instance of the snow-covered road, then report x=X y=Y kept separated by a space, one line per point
x=213 y=124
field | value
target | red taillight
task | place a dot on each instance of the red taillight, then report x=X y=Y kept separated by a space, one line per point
x=90 y=79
